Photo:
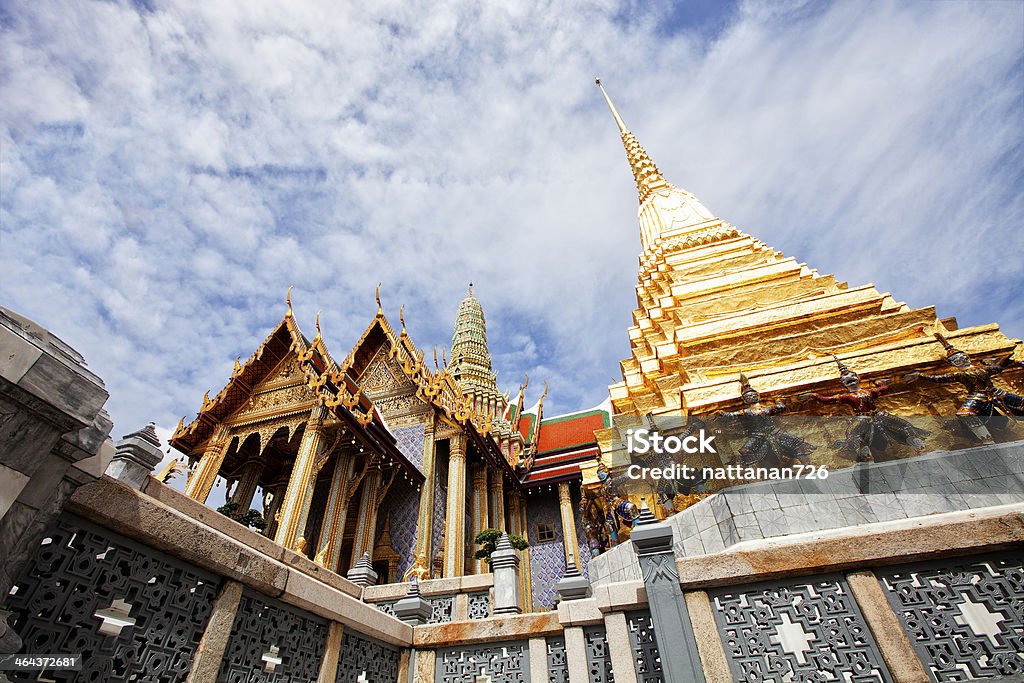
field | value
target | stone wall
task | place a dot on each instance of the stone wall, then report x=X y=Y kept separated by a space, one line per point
x=859 y=496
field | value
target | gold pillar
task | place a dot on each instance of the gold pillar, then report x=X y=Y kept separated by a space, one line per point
x=455 y=515
x=480 y=494
x=247 y=485
x=201 y=482
x=498 y=501
x=425 y=520
x=526 y=572
x=329 y=546
x=515 y=527
x=299 y=484
x=366 y=525
x=569 y=539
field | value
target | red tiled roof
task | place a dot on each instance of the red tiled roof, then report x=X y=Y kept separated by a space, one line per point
x=571 y=471
x=525 y=423
x=568 y=432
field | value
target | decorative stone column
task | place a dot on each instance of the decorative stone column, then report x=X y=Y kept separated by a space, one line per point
x=299 y=483
x=676 y=642
x=246 y=488
x=425 y=520
x=135 y=457
x=569 y=539
x=329 y=546
x=200 y=483
x=366 y=526
x=413 y=609
x=505 y=565
x=54 y=438
x=455 y=516
x=480 y=516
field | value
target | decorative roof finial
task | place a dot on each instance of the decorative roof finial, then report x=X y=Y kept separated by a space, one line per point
x=470 y=291
x=317 y=324
x=615 y=113
x=401 y=316
x=376 y=295
x=288 y=300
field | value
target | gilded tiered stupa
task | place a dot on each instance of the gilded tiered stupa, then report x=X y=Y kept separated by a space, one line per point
x=714 y=302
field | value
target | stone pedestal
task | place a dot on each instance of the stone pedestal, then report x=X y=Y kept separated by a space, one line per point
x=413 y=609
x=135 y=457
x=362 y=573
x=53 y=438
x=505 y=565
x=573 y=586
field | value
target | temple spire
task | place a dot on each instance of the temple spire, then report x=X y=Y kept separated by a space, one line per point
x=647 y=176
x=470 y=358
x=615 y=112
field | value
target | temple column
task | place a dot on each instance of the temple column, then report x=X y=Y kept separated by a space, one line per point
x=516 y=528
x=498 y=501
x=293 y=506
x=569 y=539
x=247 y=484
x=201 y=481
x=526 y=573
x=366 y=526
x=455 y=516
x=329 y=546
x=480 y=495
x=425 y=520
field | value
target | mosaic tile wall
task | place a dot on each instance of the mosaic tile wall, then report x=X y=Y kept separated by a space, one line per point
x=403 y=503
x=584 y=552
x=440 y=506
x=547 y=560
x=410 y=442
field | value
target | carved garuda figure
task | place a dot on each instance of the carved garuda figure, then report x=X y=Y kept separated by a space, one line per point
x=984 y=400
x=874 y=429
x=767 y=444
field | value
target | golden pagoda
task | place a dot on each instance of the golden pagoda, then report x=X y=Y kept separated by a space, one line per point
x=714 y=302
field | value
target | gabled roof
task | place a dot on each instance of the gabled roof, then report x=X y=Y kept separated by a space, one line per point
x=569 y=431
x=324 y=378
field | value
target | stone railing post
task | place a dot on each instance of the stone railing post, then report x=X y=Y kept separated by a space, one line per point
x=573 y=586
x=672 y=629
x=505 y=565
x=135 y=457
x=413 y=609
x=362 y=573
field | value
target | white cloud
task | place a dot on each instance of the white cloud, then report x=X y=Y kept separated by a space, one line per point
x=166 y=175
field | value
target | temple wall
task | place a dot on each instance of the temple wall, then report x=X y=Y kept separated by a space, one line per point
x=897 y=491
x=547 y=560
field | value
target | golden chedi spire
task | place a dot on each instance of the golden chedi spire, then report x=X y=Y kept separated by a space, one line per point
x=665 y=210
x=713 y=302
x=646 y=174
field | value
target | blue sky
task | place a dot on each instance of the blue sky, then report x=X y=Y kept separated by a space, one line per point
x=168 y=169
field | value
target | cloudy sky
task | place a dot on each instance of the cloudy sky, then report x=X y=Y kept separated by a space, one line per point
x=168 y=169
